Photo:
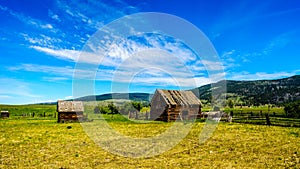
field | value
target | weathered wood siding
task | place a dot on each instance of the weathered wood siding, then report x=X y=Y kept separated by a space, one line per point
x=70 y=106
x=4 y=114
x=70 y=116
x=69 y=111
x=159 y=107
x=187 y=113
x=167 y=105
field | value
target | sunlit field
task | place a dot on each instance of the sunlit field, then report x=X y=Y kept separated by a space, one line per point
x=43 y=143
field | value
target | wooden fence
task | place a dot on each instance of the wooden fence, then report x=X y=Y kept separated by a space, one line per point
x=272 y=119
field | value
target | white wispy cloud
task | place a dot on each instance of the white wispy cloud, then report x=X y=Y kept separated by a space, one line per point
x=57 y=73
x=213 y=65
x=82 y=19
x=41 y=40
x=179 y=66
x=125 y=59
x=5 y=96
x=92 y=15
x=261 y=75
x=54 y=16
x=27 y=20
x=65 y=54
x=20 y=88
x=55 y=79
x=277 y=43
x=69 y=97
x=66 y=71
x=228 y=55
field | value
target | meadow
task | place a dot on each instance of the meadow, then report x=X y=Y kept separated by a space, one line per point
x=35 y=110
x=40 y=142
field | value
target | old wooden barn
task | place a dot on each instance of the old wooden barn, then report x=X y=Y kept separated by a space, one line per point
x=70 y=111
x=168 y=105
x=4 y=113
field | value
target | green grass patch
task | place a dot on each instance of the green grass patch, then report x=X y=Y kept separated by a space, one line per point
x=29 y=110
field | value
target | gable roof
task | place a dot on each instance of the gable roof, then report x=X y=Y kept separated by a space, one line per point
x=179 y=97
x=70 y=106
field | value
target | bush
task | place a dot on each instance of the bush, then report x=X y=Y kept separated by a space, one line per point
x=292 y=109
x=126 y=107
x=97 y=110
x=104 y=110
x=113 y=109
x=230 y=103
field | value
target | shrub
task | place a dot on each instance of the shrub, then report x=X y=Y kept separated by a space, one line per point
x=97 y=110
x=292 y=109
x=104 y=110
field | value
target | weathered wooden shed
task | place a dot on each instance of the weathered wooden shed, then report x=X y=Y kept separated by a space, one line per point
x=70 y=111
x=168 y=105
x=4 y=114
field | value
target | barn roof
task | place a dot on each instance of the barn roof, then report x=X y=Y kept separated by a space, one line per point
x=179 y=97
x=70 y=106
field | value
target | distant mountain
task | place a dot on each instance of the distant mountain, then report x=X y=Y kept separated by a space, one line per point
x=257 y=91
x=129 y=96
x=254 y=92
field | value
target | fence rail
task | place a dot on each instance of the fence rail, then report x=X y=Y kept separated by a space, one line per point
x=262 y=119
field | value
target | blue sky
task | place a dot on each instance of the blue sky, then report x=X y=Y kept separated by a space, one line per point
x=40 y=42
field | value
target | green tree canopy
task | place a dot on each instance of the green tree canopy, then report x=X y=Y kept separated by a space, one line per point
x=292 y=109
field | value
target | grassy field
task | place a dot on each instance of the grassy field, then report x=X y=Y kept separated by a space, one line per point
x=28 y=110
x=43 y=143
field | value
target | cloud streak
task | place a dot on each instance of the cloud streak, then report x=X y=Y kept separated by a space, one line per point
x=28 y=20
x=262 y=75
x=65 y=54
x=20 y=88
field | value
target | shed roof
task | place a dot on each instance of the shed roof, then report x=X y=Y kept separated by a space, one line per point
x=70 y=106
x=179 y=97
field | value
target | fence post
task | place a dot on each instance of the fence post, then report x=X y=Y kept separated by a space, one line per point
x=268 y=119
x=260 y=113
x=146 y=116
x=129 y=115
x=136 y=115
x=230 y=116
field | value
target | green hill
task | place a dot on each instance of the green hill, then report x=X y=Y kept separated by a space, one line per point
x=127 y=96
x=257 y=92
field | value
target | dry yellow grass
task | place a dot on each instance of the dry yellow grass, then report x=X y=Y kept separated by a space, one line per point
x=35 y=143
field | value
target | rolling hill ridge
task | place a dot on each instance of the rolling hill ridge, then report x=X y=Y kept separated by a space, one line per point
x=255 y=92
x=258 y=92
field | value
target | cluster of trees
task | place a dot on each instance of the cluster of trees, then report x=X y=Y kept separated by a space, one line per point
x=108 y=109
x=126 y=107
x=292 y=109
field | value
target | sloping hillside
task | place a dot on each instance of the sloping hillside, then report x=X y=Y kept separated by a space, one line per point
x=129 y=96
x=258 y=91
x=241 y=92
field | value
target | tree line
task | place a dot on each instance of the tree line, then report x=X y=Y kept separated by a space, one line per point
x=126 y=107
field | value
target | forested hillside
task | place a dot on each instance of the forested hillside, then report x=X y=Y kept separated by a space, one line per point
x=259 y=91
